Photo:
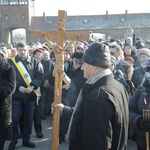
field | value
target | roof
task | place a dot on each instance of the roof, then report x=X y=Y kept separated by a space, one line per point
x=93 y=21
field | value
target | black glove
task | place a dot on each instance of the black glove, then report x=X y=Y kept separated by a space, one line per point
x=144 y=125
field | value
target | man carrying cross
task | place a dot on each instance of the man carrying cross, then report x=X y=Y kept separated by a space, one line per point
x=100 y=118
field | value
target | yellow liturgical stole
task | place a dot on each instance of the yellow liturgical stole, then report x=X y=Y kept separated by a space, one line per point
x=25 y=75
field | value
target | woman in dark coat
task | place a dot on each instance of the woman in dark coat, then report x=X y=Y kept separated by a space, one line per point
x=130 y=51
x=7 y=87
x=138 y=126
x=140 y=101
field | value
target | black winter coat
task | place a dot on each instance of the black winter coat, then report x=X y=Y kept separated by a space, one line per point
x=118 y=75
x=136 y=106
x=101 y=119
x=125 y=68
x=7 y=87
x=48 y=72
x=137 y=76
x=35 y=70
x=77 y=81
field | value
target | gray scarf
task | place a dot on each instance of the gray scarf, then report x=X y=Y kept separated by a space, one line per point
x=91 y=81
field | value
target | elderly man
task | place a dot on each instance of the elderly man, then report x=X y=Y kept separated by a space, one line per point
x=100 y=117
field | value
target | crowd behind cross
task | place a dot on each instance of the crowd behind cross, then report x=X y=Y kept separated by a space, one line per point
x=130 y=65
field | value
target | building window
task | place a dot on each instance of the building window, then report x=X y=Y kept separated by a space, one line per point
x=85 y=21
x=122 y=19
x=13 y=2
x=23 y=2
x=4 y=2
x=6 y=17
x=22 y=17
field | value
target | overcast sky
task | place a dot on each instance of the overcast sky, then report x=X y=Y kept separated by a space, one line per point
x=90 y=7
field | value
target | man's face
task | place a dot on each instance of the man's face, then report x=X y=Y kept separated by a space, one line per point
x=22 y=52
x=88 y=70
x=114 y=52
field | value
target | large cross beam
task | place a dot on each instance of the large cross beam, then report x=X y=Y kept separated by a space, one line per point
x=60 y=35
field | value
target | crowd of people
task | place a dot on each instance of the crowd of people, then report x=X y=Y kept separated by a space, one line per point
x=102 y=107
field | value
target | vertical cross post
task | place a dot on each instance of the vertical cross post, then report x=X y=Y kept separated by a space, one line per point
x=58 y=71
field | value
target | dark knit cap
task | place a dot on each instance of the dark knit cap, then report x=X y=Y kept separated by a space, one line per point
x=98 y=54
x=139 y=45
x=78 y=54
x=138 y=38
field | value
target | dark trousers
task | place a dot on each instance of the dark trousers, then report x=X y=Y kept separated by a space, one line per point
x=18 y=109
x=64 y=123
x=42 y=102
x=36 y=119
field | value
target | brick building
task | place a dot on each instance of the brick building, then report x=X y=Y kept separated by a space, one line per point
x=16 y=14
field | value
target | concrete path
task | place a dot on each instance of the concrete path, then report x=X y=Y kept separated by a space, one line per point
x=45 y=142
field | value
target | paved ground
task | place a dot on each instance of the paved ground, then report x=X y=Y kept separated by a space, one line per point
x=45 y=143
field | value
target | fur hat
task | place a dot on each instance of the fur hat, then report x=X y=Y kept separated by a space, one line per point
x=98 y=54
x=145 y=51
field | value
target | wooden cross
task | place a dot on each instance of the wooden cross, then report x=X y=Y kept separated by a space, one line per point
x=58 y=71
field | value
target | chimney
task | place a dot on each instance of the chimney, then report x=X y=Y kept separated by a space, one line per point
x=126 y=14
x=44 y=17
x=106 y=14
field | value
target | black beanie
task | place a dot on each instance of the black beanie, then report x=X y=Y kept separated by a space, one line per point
x=98 y=55
x=78 y=54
